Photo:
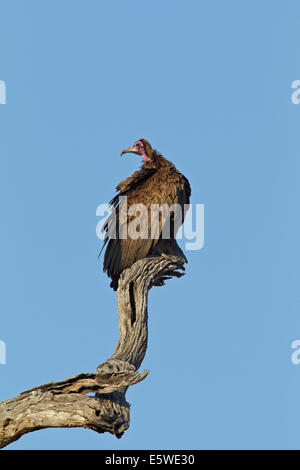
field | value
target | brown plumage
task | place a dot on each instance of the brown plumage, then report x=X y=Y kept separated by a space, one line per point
x=157 y=182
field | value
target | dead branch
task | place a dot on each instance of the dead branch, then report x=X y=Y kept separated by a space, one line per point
x=66 y=403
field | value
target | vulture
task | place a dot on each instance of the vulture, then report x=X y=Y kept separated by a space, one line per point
x=153 y=200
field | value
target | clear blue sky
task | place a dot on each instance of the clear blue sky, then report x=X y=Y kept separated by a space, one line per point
x=209 y=84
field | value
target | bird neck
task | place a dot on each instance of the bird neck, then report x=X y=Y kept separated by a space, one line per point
x=157 y=161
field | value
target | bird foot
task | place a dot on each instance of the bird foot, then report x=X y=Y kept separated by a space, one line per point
x=163 y=255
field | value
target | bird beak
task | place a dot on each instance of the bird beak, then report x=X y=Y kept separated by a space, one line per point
x=129 y=150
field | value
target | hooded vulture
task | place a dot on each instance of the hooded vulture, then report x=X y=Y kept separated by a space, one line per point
x=146 y=213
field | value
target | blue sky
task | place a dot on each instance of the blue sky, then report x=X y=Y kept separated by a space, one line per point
x=209 y=84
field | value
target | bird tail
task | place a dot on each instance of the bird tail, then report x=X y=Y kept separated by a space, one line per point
x=114 y=283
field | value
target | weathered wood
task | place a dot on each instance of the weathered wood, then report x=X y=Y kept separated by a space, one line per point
x=66 y=403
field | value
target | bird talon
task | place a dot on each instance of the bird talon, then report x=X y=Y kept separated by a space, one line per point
x=165 y=256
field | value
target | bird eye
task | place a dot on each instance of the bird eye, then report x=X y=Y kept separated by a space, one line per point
x=138 y=145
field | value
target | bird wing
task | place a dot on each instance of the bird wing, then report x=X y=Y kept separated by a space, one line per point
x=160 y=189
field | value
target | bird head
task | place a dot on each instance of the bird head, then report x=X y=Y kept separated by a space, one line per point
x=141 y=147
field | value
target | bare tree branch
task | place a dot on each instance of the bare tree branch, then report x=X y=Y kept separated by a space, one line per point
x=66 y=403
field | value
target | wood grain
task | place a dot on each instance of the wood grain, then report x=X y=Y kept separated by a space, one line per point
x=97 y=400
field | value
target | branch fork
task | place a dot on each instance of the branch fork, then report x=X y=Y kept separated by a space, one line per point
x=66 y=403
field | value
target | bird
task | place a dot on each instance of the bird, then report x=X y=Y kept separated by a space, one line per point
x=152 y=202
